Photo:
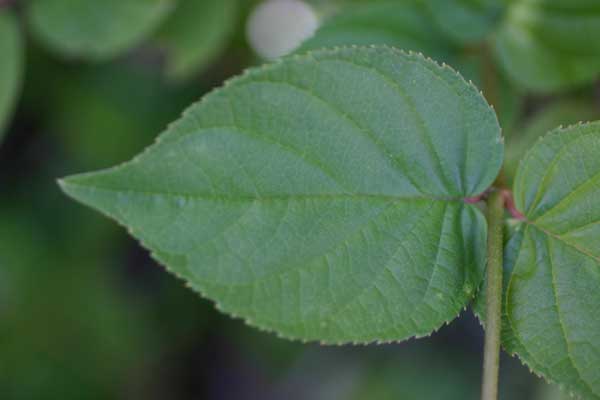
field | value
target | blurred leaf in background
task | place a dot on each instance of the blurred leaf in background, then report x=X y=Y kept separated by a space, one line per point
x=105 y=114
x=11 y=64
x=404 y=25
x=195 y=33
x=550 y=45
x=95 y=30
x=466 y=21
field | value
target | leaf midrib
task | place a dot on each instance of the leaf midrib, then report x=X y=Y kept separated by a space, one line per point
x=258 y=198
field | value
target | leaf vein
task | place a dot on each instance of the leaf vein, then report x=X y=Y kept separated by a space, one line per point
x=558 y=314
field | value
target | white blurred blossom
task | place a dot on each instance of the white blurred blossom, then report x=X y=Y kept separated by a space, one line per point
x=277 y=27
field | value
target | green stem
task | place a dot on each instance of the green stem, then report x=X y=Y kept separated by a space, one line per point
x=491 y=354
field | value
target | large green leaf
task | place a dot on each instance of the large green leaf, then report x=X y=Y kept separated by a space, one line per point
x=548 y=45
x=10 y=66
x=405 y=25
x=195 y=33
x=92 y=29
x=321 y=196
x=552 y=290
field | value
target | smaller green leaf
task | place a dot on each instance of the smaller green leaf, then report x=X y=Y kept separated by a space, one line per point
x=11 y=64
x=92 y=29
x=196 y=33
x=547 y=46
x=552 y=263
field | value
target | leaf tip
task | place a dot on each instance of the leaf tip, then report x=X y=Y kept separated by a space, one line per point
x=81 y=190
x=65 y=185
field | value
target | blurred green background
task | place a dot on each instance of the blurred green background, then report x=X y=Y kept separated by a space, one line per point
x=86 y=314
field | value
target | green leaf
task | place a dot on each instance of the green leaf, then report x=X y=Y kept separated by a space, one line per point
x=405 y=25
x=196 y=33
x=561 y=113
x=545 y=45
x=466 y=21
x=92 y=29
x=552 y=291
x=11 y=48
x=321 y=196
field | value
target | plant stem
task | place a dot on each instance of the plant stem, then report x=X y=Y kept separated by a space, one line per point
x=491 y=353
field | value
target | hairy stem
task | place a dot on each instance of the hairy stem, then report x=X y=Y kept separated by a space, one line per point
x=491 y=354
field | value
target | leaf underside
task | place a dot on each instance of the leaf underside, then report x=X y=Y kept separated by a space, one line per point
x=552 y=266
x=321 y=196
x=10 y=66
x=95 y=30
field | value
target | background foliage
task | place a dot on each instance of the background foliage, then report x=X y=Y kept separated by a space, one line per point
x=85 y=313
